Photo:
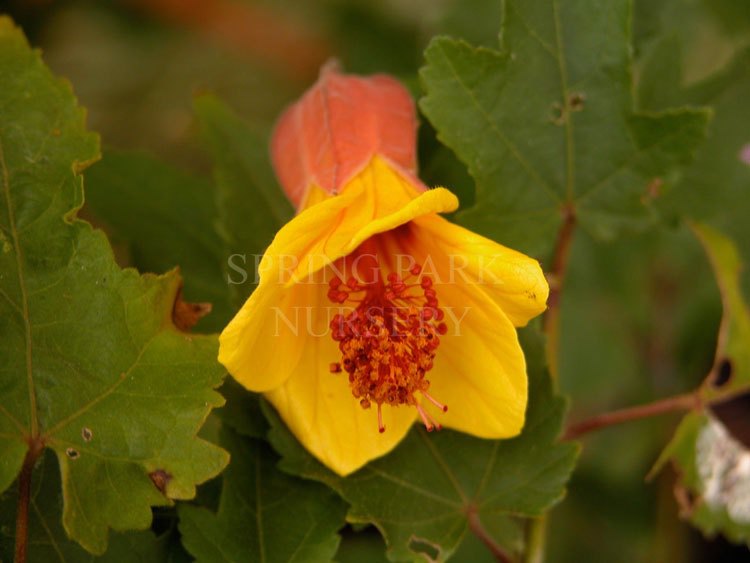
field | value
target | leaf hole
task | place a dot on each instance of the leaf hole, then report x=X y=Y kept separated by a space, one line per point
x=558 y=114
x=72 y=453
x=576 y=101
x=86 y=434
x=723 y=373
x=423 y=547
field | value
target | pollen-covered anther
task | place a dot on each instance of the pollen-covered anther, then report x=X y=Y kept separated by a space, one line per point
x=389 y=341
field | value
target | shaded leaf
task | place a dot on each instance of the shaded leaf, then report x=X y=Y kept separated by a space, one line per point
x=263 y=515
x=547 y=128
x=731 y=373
x=714 y=465
x=242 y=410
x=251 y=205
x=47 y=540
x=167 y=218
x=716 y=186
x=360 y=546
x=419 y=495
x=92 y=366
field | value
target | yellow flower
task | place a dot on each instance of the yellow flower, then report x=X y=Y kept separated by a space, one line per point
x=373 y=311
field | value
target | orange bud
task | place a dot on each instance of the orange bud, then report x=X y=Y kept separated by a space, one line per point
x=335 y=129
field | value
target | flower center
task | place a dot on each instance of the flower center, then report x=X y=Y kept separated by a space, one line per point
x=388 y=342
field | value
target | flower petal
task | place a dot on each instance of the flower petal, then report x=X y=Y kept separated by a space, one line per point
x=262 y=345
x=479 y=369
x=378 y=199
x=318 y=407
x=511 y=279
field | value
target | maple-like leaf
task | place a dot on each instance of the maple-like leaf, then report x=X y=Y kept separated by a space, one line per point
x=91 y=364
x=547 y=127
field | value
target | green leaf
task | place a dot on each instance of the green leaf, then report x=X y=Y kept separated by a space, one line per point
x=473 y=20
x=421 y=495
x=733 y=348
x=91 y=365
x=242 y=411
x=733 y=15
x=546 y=125
x=263 y=515
x=714 y=188
x=167 y=218
x=251 y=205
x=713 y=465
x=47 y=540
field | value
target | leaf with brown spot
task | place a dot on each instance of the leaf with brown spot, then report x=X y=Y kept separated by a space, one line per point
x=92 y=366
x=186 y=315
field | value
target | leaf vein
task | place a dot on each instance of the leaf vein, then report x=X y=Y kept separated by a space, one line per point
x=499 y=134
x=24 y=298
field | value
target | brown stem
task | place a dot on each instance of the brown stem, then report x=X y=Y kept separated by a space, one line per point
x=684 y=402
x=556 y=276
x=475 y=524
x=24 y=496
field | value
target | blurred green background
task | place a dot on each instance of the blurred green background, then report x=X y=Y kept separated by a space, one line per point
x=639 y=316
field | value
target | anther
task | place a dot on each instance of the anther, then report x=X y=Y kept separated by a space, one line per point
x=438 y=404
x=389 y=341
x=425 y=418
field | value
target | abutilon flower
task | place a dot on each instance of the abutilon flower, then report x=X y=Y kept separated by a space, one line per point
x=372 y=311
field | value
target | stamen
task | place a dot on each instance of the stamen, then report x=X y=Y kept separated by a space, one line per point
x=425 y=419
x=389 y=341
x=430 y=398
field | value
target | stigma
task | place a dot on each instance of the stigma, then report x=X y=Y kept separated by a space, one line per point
x=389 y=340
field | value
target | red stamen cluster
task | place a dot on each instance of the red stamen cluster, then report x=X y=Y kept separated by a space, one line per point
x=388 y=343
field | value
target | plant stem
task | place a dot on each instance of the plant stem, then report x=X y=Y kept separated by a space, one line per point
x=475 y=524
x=556 y=277
x=24 y=497
x=536 y=536
x=684 y=402
x=536 y=531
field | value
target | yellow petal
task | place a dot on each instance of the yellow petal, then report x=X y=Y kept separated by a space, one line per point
x=262 y=344
x=318 y=407
x=378 y=199
x=480 y=369
x=511 y=279
x=257 y=347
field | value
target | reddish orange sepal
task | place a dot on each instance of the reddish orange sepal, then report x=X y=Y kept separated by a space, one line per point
x=334 y=130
